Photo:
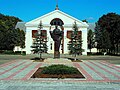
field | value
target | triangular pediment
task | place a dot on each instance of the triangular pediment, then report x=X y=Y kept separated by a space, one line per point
x=46 y=19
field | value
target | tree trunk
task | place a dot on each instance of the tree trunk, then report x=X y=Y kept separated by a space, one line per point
x=75 y=57
x=90 y=50
x=21 y=51
x=40 y=55
x=117 y=48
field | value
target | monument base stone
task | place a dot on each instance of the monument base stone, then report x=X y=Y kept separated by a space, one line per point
x=56 y=54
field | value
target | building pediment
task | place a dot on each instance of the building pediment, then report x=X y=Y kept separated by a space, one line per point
x=60 y=18
x=46 y=19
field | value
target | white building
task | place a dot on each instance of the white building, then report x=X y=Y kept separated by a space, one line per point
x=32 y=26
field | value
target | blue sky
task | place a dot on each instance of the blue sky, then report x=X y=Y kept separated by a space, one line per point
x=81 y=9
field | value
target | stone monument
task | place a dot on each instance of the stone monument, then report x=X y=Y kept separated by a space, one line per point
x=57 y=36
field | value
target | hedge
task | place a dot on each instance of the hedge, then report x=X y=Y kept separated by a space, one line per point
x=59 y=69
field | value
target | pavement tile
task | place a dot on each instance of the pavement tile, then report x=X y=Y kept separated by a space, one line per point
x=28 y=85
x=103 y=71
x=25 y=71
x=109 y=68
x=96 y=74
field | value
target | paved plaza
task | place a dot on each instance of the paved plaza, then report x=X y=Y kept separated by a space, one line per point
x=16 y=75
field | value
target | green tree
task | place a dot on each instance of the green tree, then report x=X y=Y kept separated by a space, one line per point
x=117 y=35
x=2 y=32
x=20 y=34
x=8 y=34
x=40 y=44
x=75 y=44
x=106 y=43
x=85 y=21
x=20 y=38
x=109 y=24
x=98 y=37
x=90 y=39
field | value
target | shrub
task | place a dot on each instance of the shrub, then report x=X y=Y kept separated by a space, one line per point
x=8 y=52
x=97 y=53
x=20 y=52
x=59 y=69
x=1 y=51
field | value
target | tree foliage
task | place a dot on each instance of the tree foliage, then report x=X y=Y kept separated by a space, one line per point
x=40 y=44
x=85 y=21
x=75 y=44
x=9 y=36
x=108 y=32
x=90 y=39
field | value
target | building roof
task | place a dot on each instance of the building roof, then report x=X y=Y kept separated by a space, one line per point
x=91 y=26
x=55 y=12
x=20 y=25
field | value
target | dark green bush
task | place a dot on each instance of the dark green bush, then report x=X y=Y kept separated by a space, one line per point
x=37 y=59
x=98 y=53
x=19 y=52
x=1 y=51
x=59 y=69
x=8 y=52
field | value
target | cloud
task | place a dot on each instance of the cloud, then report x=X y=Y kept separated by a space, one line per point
x=90 y=18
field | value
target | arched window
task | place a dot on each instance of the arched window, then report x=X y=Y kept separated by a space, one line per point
x=57 y=21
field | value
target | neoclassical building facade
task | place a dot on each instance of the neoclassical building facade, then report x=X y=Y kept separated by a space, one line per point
x=32 y=26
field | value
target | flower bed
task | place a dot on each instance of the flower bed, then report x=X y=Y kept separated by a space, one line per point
x=57 y=71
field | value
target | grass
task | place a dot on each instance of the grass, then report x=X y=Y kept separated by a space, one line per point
x=114 y=61
x=4 y=61
x=111 y=59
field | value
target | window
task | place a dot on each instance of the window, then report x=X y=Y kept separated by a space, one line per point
x=43 y=32
x=70 y=32
x=34 y=32
x=57 y=21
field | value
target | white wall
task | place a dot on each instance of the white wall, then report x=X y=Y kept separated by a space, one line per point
x=68 y=22
x=29 y=41
x=84 y=39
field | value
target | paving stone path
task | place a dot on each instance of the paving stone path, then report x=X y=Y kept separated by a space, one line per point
x=98 y=74
x=36 y=85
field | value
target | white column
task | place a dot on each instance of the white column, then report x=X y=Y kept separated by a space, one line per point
x=84 y=41
x=28 y=41
x=49 y=40
x=65 y=42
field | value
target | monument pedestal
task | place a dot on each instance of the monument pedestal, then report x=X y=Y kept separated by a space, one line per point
x=56 y=54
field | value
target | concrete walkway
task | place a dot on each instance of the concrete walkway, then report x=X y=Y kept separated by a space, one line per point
x=98 y=74
x=36 y=85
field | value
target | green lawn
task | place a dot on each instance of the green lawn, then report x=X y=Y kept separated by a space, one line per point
x=114 y=61
x=4 y=61
x=110 y=59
